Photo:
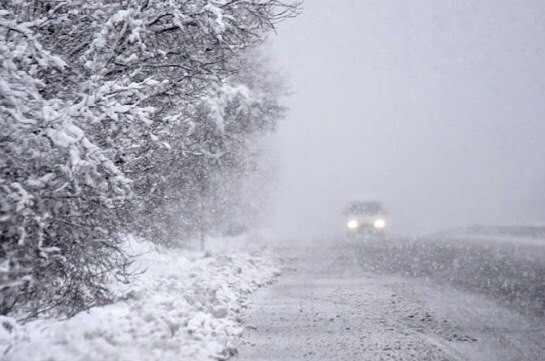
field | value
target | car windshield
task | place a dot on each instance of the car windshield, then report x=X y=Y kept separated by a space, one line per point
x=358 y=208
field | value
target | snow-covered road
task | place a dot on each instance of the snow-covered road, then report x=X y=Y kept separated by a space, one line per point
x=328 y=306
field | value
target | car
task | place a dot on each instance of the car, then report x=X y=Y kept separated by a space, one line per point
x=366 y=217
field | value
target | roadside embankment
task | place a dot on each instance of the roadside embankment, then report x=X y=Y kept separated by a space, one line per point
x=183 y=306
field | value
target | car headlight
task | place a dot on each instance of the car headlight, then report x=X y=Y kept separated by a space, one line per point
x=379 y=223
x=352 y=224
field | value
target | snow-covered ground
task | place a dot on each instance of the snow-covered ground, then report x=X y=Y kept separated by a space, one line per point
x=508 y=268
x=330 y=306
x=185 y=306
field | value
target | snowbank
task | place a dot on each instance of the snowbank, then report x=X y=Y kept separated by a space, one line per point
x=184 y=307
x=520 y=235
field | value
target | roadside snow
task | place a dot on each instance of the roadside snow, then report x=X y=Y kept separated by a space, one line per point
x=495 y=239
x=184 y=307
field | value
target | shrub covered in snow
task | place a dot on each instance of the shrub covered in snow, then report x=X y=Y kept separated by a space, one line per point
x=116 y=114
x=59 y=192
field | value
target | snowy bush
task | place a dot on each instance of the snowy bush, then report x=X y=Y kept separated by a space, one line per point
x=121 y=114
x=59 y=193
x=219 y=159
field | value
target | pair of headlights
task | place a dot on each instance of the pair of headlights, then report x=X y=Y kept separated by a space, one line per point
x=378 y=224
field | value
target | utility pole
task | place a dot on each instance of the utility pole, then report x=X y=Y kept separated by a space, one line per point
x=202 y=173
x=201 y=220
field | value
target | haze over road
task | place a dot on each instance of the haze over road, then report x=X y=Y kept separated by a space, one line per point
x=434 y=107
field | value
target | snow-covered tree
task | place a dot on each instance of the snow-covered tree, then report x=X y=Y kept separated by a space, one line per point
x=59 y=192
x=113 y=112
x=204 y=186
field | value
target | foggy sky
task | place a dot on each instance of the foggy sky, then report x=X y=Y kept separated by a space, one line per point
x=436 y=108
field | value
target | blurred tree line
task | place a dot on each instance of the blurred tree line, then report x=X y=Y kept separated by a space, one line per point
x=123 y=116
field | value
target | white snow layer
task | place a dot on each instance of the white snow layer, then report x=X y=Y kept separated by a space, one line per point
x=183 y=307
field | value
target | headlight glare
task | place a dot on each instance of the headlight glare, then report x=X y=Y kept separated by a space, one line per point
x=352 y=224
x=379 y=223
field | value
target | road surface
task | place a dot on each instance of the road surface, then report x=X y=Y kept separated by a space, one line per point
x=342 y=301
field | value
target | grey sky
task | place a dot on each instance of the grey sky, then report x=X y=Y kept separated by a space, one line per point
x=435 y=107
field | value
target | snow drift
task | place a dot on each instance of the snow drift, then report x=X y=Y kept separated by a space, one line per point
x=184 y=306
